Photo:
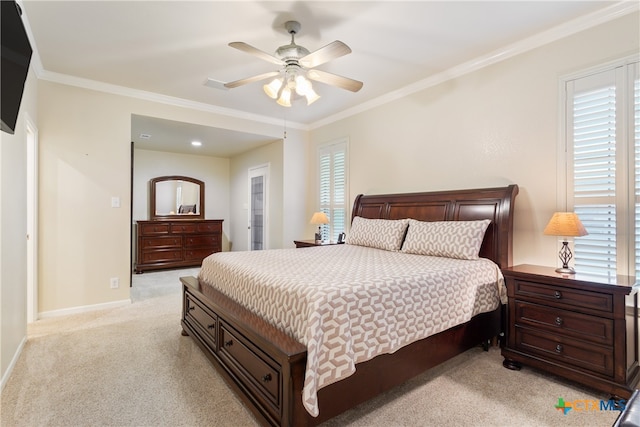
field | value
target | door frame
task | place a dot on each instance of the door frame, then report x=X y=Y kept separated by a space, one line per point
x=263 y=170
x=31 y=136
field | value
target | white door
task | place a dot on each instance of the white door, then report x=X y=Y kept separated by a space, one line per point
x=32 y=220
x=258 y=207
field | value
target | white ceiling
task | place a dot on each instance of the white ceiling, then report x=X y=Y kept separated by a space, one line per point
x=171 y=47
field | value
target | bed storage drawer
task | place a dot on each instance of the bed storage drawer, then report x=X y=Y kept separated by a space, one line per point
x=252 y=367
x=203 y=321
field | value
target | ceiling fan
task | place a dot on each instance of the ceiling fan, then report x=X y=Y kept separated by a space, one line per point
x=297 y=68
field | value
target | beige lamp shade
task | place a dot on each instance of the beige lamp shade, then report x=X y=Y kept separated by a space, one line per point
x=319 y=218
x=565 y=224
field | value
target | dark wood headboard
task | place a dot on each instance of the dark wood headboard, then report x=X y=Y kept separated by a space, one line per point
x=495 y=204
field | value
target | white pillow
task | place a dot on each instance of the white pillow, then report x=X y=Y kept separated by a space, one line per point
x=451 y=239
x=384 y=234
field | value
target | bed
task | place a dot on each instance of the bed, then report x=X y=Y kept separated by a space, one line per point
x=277 y=364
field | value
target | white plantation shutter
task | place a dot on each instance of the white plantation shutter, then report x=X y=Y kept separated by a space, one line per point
x=603 y=186
x=594 y=176
x=332 y=167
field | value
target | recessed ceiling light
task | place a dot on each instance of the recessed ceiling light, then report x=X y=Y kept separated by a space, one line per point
x=145 y=136
x=196 y=143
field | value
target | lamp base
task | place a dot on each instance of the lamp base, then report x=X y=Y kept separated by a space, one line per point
x=565 y=270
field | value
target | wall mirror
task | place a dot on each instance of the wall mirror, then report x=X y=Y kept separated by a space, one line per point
x=176 y=197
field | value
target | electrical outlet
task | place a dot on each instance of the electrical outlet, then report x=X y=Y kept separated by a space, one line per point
x=114 y=282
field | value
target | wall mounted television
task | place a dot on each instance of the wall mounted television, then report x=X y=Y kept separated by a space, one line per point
x=15 y=51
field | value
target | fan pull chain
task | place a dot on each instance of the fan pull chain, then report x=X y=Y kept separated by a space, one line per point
x=285 y=127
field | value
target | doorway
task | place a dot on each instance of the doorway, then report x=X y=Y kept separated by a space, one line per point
x=258 y=207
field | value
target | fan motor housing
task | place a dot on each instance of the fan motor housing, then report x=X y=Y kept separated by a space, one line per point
x=291 y=51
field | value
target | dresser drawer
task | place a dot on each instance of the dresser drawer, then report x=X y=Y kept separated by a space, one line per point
x=162 y=255
x=198 y=254
x=148 y=229
x=581 y=326
x=199 y=241
x=160 y=242
x=209 y=227
x=201 y=320
x=252 y=367
x=187 y=227
x=573 y=298
x=574 y=353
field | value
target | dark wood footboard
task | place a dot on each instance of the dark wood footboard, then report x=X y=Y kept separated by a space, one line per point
x=266 y=367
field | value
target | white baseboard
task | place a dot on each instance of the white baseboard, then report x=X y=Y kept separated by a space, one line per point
x=82 y=309
x=14 y=360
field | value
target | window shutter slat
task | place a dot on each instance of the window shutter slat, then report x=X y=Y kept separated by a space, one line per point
x=594 y=175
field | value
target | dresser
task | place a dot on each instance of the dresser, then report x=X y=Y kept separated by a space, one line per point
x=176 y=243
x=582 y=328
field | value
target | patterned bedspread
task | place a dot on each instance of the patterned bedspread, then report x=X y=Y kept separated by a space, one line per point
x=349 y=303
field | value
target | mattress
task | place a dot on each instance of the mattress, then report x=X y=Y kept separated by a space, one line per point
x=348 y=303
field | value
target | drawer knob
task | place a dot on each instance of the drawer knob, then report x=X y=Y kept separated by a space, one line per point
x=558 y=321
x=228 y=343
x=559 y=348
x=557 y=294
x=193 y=307
x=266 y=378
x=211 y=326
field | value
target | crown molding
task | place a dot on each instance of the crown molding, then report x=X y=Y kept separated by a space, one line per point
x=162 y=99
x=566 y=29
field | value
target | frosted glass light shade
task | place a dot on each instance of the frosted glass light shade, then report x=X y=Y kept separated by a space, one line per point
x=272 y=88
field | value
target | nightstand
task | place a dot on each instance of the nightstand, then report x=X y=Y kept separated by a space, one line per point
x=310 y=243
x=579 y=327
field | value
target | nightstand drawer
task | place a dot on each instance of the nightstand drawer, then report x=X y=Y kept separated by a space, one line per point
x=572 y=352
x=564 y=322
x=573 y=298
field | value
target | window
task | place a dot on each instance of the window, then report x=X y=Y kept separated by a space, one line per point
x=603 y=168
x=332 y=178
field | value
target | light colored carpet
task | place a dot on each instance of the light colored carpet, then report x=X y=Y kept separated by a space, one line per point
x=129 y=366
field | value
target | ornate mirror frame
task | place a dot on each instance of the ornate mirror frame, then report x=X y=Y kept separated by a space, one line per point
x=153 y=211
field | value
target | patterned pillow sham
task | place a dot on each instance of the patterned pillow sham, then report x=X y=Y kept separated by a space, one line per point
x=384 y=234
x=451 y=239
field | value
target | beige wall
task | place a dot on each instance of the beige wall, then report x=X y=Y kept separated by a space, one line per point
x=85 y=159
x=13 y=232
x=496 y=126
x=213 y=171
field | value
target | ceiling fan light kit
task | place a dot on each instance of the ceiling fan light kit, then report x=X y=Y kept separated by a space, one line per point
x=297 y=66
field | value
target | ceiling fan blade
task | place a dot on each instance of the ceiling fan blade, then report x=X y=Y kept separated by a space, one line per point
x=256 y=52
x=326 y=53
x=248 y=80
x=216 y=84
x=335 y=80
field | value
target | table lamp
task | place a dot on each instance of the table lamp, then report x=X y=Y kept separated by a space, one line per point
x=566 y=224
x=318 y=219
